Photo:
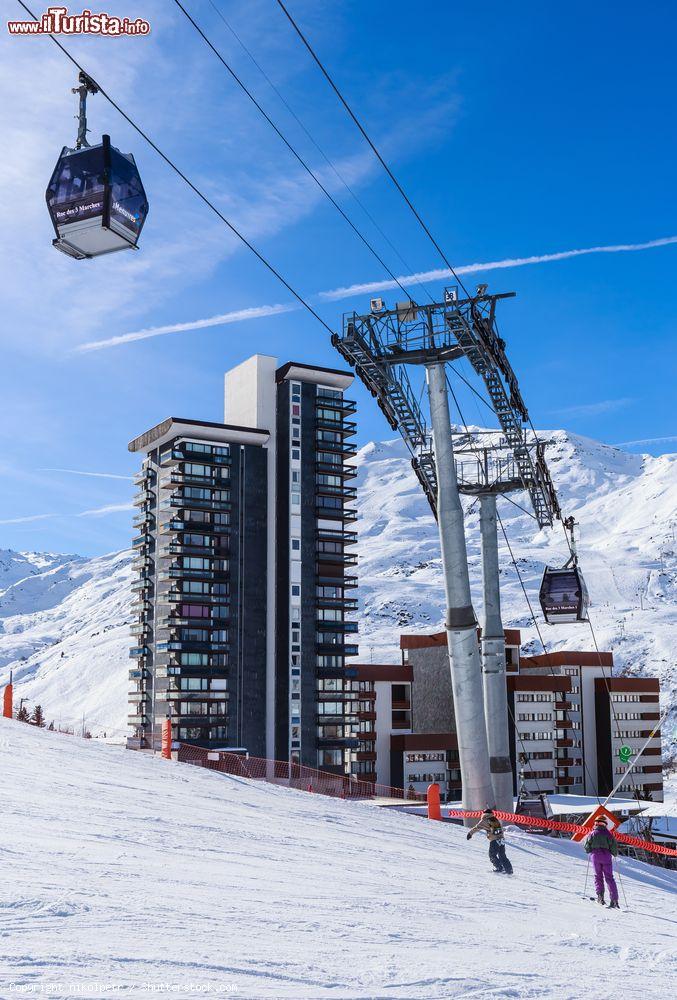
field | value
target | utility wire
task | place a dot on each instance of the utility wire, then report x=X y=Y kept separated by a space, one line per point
x=297 y=156
x=359 y=125
x=266 y=263
x=319 y=149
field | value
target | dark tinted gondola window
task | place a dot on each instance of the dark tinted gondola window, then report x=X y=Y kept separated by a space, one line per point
x=563 y=587
x=128 y=199
x=76 y=190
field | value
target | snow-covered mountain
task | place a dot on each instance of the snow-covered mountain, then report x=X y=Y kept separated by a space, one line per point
x=64 y=620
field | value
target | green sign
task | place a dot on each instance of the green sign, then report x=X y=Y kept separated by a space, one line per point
x=625 y=753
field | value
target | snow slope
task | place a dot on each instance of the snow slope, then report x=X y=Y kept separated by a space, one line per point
x=626 y=505
x=128 y=872
x=64 y=632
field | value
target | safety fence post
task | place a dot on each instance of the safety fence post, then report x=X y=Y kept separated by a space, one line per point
x=433 y=796
x=7 y=702
x=167 y=739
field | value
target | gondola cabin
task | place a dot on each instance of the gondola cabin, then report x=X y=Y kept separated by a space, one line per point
x=563 y=595
x=96 y=201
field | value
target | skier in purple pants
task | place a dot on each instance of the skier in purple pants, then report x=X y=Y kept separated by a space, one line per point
x=602 y=847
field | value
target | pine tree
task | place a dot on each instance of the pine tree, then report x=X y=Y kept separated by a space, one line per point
x=22 y=714
x=38 y=718
x=51 y=726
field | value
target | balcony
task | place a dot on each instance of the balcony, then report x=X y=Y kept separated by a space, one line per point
x=185 y=453
x=190 y=479
x=139 y=674
x=339 y=535
x=139 y=629
x=138 y=720
x=178 y=597
x=366 y=716
x=346 y=604
x=335 y=558
x=335 y=403
x=174 y=620
x=146 y=496
x=345 y=427
x=336 y=469
x=143 y=475
x=365 y=755
x=139 y=585
x=144 y=518
x=185 y=573
x=178 y=548
x=139 y=652
x=175 y=645
x=329 y=490
x=339 y=514
x=180 y=502
x=338 y=447
x=402 y=705
x=323 y=625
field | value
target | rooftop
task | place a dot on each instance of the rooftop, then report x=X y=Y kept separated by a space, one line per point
x=202 y=430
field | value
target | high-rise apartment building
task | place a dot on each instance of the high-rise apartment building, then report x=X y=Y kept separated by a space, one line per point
x=246 y=574
x=200 y=626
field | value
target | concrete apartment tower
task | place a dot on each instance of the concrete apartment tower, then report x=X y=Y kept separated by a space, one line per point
x=311 y=711
x=245 y=578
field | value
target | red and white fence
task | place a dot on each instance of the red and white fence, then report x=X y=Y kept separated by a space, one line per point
x=278 y=772
x=564 y=827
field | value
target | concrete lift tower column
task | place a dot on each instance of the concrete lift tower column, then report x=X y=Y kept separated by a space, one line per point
x=493 y=660
x=461 y=626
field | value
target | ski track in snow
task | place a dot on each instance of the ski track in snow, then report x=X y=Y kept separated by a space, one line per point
x=128 y=870
x=64 y=620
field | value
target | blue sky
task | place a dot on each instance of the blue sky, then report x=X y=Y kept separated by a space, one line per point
x=517 y=133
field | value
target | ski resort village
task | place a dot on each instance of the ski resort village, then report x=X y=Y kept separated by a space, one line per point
x=338 y=577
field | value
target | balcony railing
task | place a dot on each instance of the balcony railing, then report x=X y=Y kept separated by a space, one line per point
x=336 y=558
x=146 y=496
x=335 y=403
x=344 y=427
x=187 y=503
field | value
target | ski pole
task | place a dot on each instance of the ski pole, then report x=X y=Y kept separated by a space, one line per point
x=620 y=882
x=587 y=872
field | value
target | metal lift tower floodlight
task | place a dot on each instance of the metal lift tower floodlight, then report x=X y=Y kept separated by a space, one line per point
x=379 y=345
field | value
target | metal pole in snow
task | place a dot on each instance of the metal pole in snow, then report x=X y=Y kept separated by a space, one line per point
x=493 y=660
x=461 y=626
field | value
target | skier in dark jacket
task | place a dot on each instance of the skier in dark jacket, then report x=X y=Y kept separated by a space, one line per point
x=494 y=831
x=602 y=847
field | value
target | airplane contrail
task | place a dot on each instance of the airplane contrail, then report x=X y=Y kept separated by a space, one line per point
x=334 y=294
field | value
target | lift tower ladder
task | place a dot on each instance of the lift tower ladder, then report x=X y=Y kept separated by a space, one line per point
x=381 y=343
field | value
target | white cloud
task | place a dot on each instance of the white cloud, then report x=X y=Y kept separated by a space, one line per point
x=94 y=475
x=668 y=439
x=30 y=517
x=111 y=508
x=238 y=315
x=596 y=408
x=441 y=274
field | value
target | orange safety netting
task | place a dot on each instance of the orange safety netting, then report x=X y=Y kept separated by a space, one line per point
x=554 y=824
x=279 y=772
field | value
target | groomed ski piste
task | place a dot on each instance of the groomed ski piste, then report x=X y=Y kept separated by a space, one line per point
x=127 y=875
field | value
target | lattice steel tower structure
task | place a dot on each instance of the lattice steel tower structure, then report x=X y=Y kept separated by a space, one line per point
x=380 y=345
